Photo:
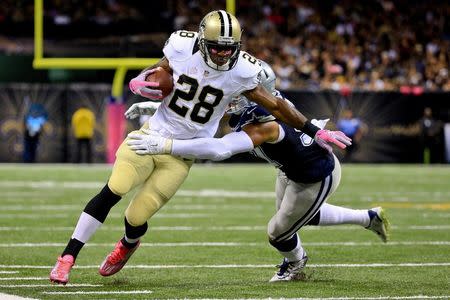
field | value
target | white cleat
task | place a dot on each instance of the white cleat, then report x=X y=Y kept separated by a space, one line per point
x=379 y=223
x=290 y=271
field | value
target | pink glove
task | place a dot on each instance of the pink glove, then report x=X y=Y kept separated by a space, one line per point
x=138 y=86
x=323 y=137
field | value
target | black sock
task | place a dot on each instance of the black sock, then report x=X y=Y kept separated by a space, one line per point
x=286 y=245
x=133 y=232
x=73 y=248
x=128 y=245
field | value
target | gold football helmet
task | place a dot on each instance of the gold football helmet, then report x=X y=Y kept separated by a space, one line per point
x=219 y=39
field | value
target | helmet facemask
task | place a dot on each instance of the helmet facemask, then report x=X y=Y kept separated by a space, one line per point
x=220 y=40
x=268 y=77
x=238 y=105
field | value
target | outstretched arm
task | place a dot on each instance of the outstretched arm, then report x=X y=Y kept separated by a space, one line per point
x=213 y=148
x=281 y=110
x=206 y=148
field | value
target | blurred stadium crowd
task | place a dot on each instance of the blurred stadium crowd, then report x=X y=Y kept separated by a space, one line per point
x=373 y=45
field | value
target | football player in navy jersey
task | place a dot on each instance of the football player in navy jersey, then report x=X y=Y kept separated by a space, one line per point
x=308 y=174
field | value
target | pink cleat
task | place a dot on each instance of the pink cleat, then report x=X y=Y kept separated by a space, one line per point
x=61 y=271
x=115 y=261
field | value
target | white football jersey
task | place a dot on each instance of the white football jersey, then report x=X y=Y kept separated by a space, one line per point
x=201 y=94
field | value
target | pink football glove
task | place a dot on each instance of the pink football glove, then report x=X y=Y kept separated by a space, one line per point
x=139 y=86
x=323 y=137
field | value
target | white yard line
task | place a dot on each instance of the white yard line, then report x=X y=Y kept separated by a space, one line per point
x=34 y=216
x=12 y=297
x=49 y=285
x=19 y=207
x=237 y=244
x=184 y=207
x=52 y=184
x=392 y=196
x=182 y=244
x=21 y=194
x=96 y=185
x=22 y=278
x=223 y=228
x=112 y=215
x=99 y=293
x=247 y=266
x=419 y=297
x=428 y=227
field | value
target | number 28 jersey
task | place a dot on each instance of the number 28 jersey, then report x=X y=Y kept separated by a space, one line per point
x=201 y=94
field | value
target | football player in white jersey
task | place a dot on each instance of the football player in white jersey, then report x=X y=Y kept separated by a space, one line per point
x=208 y=69
x=308 y=174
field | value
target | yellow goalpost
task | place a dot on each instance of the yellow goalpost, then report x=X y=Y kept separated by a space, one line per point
x=116 y=124
x=121 y=65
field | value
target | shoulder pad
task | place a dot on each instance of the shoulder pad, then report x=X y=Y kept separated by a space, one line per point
x=278 y=94
x=180 y=45
x=247 y=66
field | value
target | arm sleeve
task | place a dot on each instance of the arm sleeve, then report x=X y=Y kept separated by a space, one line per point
x=212 y=148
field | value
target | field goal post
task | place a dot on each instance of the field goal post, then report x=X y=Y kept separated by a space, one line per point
x=116 y=124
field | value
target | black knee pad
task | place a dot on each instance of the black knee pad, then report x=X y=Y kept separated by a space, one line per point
x=286 y=245
x=101 y=204
x=134 y=232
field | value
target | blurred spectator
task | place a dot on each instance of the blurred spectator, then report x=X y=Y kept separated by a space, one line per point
x=368 y=45
x=34 y=122
x=354 y=128
x=431 y=137
x=371 y=45
x=83 y=124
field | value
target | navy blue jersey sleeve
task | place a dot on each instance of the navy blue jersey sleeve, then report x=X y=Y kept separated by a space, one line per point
x=252 y=114
x=297 y=155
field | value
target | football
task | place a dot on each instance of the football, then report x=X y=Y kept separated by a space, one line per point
x=164 y=79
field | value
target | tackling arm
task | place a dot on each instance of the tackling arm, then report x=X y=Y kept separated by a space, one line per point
x=281 y=110
x=213 y=148
x=206 y=148
x=233 y=143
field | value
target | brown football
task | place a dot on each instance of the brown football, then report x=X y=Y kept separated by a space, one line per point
x=164 y=79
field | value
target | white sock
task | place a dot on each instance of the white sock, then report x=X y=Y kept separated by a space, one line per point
x=336 y=215
x=296 y=254
x=87 y=225
x=132 y=241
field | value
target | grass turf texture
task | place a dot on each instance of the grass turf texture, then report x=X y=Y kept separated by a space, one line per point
x=40 y=205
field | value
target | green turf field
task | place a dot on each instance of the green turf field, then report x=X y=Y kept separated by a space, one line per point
x=210 y=240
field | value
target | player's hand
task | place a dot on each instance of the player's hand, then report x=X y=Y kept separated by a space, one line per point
x=149 y=142
x=324 y=137
x=140 y=86
x=142 y=108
